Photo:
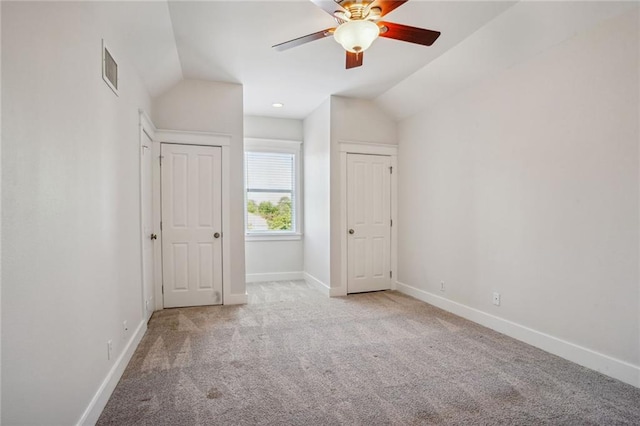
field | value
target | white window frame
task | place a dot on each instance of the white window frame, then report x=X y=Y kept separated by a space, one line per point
x=278 y=146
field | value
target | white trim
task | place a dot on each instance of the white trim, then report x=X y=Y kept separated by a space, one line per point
x=101 y=397
x=146 y=127
x=184 y=137
x=157 y=217
x=274 y=276
x=280 y=146
x=272 y=236
x=310 y=279
x=205 y=139
x=146 y=124
x=271 y=144
x=337 y=291
x=227 y=297
x=358 y=147
x=394 y=219
x=602 y=363
x=235 y=299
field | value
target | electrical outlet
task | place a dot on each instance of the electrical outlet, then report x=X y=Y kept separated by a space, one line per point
x=125 y=327
x=441 y=285
x=109 y=349
x=496 y=299
x=146 y=306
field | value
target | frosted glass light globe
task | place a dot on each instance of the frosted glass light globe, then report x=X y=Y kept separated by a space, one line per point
x=356 y=36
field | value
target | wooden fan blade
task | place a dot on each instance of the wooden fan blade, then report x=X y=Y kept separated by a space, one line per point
x=387 y=6
x=407 y=33
x=304 y=39
x=329 y=6
x=354 y=59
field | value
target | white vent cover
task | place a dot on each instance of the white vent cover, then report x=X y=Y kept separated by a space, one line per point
x=109 y=69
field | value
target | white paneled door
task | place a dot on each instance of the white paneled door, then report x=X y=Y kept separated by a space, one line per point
x=191 y=225
x=369 y=222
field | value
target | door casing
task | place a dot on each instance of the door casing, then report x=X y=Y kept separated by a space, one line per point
x=194 y=138
x=146 y=221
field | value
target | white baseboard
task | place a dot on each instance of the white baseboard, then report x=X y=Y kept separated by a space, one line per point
x=604 y=364
x=274 y=276
x=317 y=283
x=235 y=299
x=99 y=400
x=337 y=291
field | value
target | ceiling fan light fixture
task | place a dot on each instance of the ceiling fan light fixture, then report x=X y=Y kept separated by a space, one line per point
x=356 y=36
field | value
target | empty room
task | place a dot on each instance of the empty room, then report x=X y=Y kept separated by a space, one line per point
x=319 y=212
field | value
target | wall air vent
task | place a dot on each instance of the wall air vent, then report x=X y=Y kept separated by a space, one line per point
x=109 y=69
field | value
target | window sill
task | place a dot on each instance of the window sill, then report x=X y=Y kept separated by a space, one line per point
x=272 y=237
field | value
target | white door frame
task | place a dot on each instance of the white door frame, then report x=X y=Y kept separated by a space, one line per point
x=188 y=138
x=146 y=127
x=358 y=147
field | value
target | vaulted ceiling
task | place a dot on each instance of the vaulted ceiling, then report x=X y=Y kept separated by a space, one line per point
x=230 y=41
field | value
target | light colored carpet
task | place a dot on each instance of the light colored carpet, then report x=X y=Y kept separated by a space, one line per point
x=293 y=356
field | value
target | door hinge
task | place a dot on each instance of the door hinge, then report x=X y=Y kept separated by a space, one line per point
x=391 y=170
x=162 y=288
x=161 y=157
x=390 y=274
x=391 y=222
x=161 y=225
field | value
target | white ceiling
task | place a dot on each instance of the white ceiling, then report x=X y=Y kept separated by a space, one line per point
x=520 y=33
x=230 y=41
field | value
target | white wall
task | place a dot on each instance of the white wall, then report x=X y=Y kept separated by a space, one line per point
x=352 y=120
x=267 y=260
x=208 y=106
x=317 y=148
x=527 y=185
x=70 y=217
x=273 y=128
x=360 y=120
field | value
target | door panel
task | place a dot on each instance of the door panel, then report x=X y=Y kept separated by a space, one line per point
x=369 y=216
x=191 y=215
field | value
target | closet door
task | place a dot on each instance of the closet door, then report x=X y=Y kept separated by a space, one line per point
x=369 y=222
x=191 y=225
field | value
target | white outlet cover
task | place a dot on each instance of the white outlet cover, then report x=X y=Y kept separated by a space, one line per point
x=496 y=299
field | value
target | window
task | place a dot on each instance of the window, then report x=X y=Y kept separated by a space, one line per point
x=272 y=204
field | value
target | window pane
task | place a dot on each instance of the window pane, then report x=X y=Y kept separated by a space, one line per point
x=269 y=211
x=270 y=191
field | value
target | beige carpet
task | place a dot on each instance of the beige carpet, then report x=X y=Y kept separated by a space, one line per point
x=293 y=356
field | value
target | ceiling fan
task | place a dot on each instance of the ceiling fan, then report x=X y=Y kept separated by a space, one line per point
x=359 y=25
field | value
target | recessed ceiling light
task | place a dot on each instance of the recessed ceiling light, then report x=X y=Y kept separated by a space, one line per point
x=277 y=104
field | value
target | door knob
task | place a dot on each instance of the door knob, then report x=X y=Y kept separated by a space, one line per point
x=154 y=236
x=351 y=231
x=216 y=235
